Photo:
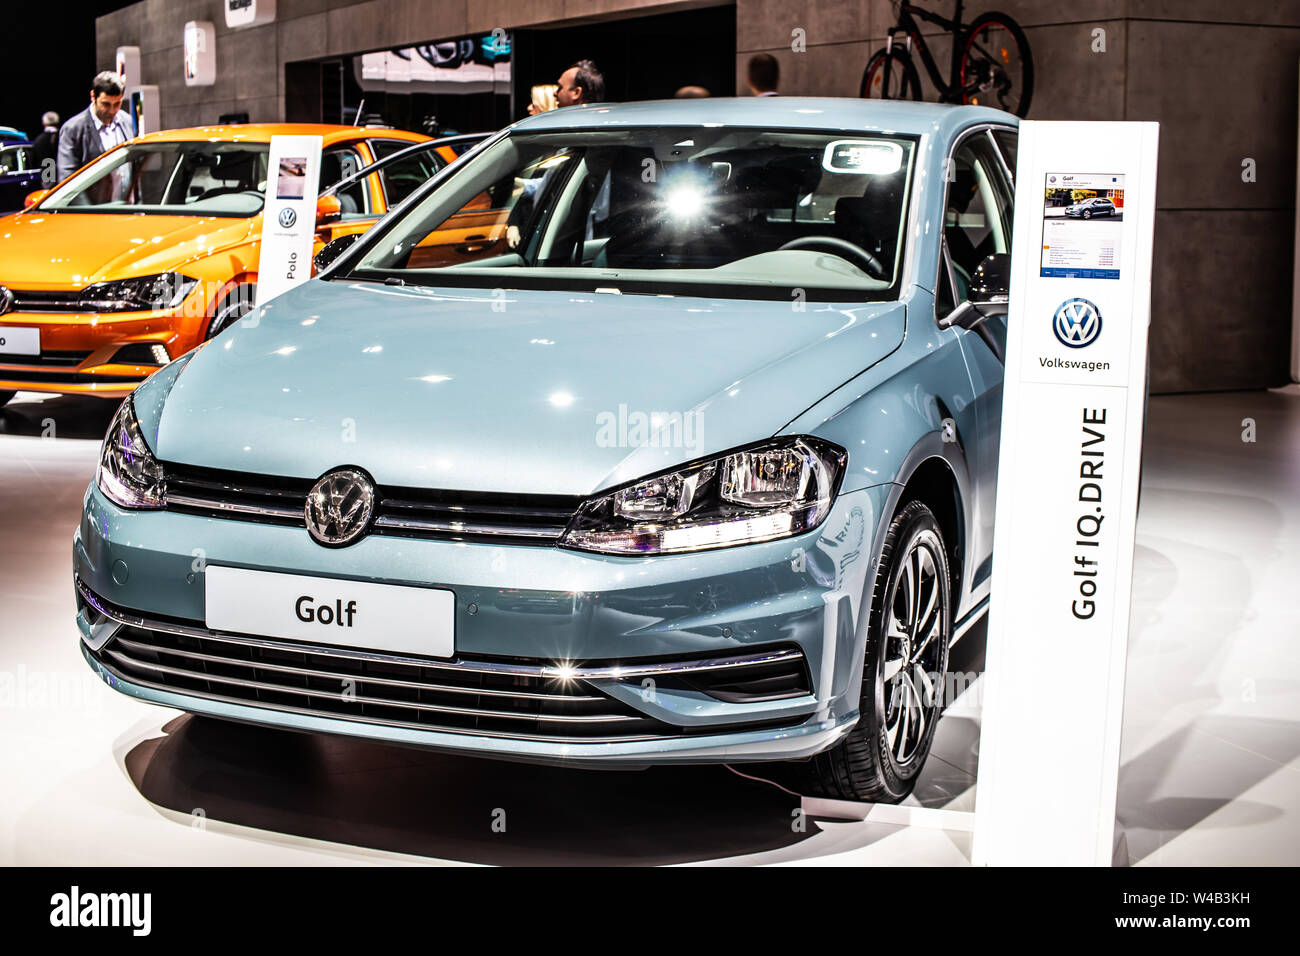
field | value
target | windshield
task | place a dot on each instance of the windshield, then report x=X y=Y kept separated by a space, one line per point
x=677 y=211
x=173 y=179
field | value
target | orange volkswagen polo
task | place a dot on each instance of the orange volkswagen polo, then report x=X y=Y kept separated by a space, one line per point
x=152 y=248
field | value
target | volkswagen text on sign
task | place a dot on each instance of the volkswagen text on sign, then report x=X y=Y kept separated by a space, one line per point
x=1067 y=493
x=289 y=215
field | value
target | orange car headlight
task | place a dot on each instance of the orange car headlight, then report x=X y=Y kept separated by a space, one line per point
x=163 y=291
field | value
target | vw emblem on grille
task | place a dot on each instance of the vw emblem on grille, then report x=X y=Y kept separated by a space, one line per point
x=6 y=300
x=339 y=507
x=1077 y=323
x=287 y=217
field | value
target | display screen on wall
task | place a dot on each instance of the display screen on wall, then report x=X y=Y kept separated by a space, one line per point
x=477 y=64
x=249 y=13
x=200 y=53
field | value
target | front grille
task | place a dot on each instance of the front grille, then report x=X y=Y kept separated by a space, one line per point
x=29 y=300
x=498 y=697
x=409 y=512
x=49 y=358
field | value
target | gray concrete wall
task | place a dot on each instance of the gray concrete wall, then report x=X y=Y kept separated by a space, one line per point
x=1221 y=78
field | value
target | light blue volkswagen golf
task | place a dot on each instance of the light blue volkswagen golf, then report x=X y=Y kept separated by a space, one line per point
x=648 y=433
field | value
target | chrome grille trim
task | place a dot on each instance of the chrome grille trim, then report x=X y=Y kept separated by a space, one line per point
x=550 y=533
x=233 y=507
x=387 y=681
x=362 y=699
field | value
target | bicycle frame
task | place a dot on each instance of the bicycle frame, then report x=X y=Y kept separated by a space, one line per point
x=907 y=23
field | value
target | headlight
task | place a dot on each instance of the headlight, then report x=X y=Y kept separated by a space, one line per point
x=128 y=472
x=780 y=488
x=164 y=291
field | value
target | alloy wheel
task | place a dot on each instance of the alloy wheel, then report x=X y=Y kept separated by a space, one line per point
x=914 y=653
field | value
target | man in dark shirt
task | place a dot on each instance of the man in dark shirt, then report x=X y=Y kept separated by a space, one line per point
x=46 y=146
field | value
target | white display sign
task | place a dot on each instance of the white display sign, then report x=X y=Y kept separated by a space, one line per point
x=19 y=341
x=200 y=50
x=127 y=65
x=144 y=109
x=382 y=617
x=288 y=215
x=1067 y=491
x=249 y=13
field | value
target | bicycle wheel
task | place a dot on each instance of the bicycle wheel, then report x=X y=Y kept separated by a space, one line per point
x=903 y=81
x=997 y=69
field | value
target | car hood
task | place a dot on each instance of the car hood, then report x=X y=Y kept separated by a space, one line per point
x=47 y=250
x=509 y=391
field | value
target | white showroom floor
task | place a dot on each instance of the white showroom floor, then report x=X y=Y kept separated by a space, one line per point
x=1210 y=768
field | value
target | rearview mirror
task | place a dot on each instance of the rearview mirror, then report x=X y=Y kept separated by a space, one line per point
x=33 y=198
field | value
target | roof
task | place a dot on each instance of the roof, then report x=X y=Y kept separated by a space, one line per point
x=774 y=112
x=262 y=133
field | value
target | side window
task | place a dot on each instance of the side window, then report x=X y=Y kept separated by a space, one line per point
x=339 y=163
x=977 y=219
x=402 y=177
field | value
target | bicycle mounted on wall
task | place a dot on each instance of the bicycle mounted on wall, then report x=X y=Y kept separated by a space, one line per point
x=990 y=64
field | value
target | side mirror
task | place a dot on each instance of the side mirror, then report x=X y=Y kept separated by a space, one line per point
x=990 y=286
x=328 y=210
x=989 y=294
x=332 y=250
x=33 y=198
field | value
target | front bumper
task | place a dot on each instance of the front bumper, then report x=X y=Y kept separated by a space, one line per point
x=540 y=622
x=80 y=351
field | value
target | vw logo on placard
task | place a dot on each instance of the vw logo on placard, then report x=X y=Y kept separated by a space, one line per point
x=6 y=300
x=339 y=507
x=288 y=217
x=1077 y=323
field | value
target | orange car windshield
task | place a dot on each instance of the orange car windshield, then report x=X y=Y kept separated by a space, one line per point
x=171 y=179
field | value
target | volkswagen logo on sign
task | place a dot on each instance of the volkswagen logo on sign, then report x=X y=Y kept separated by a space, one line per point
x=288 y=217
x=6 y=300
x=339 y=507
x=1077 y=323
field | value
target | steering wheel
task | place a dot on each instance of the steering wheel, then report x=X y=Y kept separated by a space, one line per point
x=842 y=248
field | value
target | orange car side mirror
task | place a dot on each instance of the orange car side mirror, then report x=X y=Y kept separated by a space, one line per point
x=328 y=210
x=33 y=198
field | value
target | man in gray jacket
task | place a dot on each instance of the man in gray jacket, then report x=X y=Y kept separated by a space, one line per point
x=96 y=130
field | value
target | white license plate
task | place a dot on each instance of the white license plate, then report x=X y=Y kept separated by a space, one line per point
x=378 y=617
x=16 y=341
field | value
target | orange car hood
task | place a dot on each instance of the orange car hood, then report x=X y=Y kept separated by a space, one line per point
x=70 y=250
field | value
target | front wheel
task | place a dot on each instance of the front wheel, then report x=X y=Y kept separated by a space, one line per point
x=890 y=75
x=997 y=68
x=906 y=660
x=236 y=304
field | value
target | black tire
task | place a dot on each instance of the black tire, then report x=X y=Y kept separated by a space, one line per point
x=237 y=303
x=908 y=86
x=1087 y=214
x=1017 y=103
x=5 y=396
x=868 y=764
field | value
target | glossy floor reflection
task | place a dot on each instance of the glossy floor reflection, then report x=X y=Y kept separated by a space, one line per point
x=1211 y=752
